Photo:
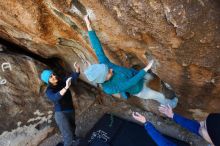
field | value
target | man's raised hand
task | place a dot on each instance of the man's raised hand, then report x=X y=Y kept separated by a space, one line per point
x=68 y=83
x=77 y=67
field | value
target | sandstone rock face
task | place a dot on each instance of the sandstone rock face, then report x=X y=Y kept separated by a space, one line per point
x=25 y=113
x=181 y=36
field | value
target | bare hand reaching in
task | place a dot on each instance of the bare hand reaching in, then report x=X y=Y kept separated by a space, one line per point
x=166 y=110
x=139 y=117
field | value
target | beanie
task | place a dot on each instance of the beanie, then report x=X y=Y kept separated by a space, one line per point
x=96 y=73
x=45 y=76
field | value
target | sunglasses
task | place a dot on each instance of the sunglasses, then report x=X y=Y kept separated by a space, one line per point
x=53 y=74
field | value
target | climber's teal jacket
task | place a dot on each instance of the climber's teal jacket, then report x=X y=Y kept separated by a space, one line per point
x=124 y=80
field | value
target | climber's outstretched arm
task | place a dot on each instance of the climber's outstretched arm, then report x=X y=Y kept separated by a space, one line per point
x=158 y=138
x=96 y=45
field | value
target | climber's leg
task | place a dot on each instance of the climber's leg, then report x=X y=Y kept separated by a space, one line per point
x=147 y=78
x=147 y=93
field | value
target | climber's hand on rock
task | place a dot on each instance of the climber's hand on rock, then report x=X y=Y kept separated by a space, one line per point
x=77 y=67
x=139 y=117
x=88 y=23
x=150 y=64
x=166 y=110
x=86 y=18
x=68 y=83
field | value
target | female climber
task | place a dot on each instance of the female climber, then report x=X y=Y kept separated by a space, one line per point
x=117 y=79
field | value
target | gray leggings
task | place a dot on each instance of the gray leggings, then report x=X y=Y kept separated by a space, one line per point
x=147 y=93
